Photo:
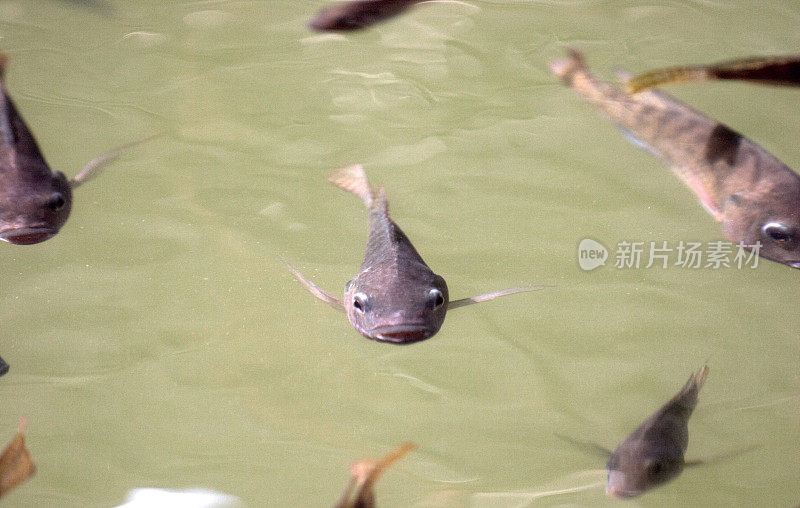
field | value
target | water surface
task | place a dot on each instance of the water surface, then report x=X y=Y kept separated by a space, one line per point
x=159 y=341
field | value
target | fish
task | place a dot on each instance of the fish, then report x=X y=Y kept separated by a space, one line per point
x=35 y=201
x=767 y=70
x=754 y=195
x=364 y=475
x=358 y=14
x=4 y=367
x=395 y=297
x=654 y=453
x=16 y=464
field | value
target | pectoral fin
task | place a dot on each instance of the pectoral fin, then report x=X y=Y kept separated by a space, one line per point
x=490 y=296
x=95 y=165
x=331 y=300
x=720 y=457
x=589 y=446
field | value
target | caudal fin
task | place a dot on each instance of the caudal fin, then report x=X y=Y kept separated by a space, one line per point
x=698 y=378
x=565 y=68
x=687 y=397
x=353 y=179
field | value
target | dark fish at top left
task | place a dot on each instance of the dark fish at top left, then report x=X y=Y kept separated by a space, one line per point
x=34 y=200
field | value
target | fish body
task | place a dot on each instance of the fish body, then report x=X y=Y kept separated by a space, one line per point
x=395 y=297
x=4 y=367
x=654 y=452
x=753 y=194
x=358 y=14
x=776 y=70
x=34 y=200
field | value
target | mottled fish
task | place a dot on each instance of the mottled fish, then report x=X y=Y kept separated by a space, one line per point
x=394 y=297
x=364 y=474
x=653 y=453
x=770 y=70
x=753 y=194
x=34 y=200
x=358 y=14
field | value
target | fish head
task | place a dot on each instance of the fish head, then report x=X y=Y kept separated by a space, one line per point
x=634 y=469
x=33 y=211
x=771 y=221
x=401 y=308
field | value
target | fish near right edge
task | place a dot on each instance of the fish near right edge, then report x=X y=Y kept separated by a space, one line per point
x=753 y=194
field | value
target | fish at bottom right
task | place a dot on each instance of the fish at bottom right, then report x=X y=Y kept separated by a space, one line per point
x=654 y=453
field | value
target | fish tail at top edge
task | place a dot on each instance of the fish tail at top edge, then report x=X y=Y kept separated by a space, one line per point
x=353 y=179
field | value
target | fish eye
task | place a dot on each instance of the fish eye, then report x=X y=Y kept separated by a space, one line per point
x=360 y=302
x=436 y=296
x=777 y=231
x=56 y=201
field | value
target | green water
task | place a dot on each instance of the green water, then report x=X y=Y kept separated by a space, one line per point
x=159 y=341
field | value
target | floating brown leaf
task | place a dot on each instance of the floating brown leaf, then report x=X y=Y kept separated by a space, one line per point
x=16 y=465
x=364 y=475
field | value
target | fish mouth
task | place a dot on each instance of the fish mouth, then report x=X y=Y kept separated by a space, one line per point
x=27 y=235
x=621 y=493
x=401 y=334
x=614 y=489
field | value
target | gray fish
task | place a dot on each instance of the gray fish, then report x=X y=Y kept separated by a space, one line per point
x=769 y=70
x=4 y=367
x=358 y=14
x=653 y=453
x=753 y=194
x=394 y=297
x=364 y=475
x=34 y=200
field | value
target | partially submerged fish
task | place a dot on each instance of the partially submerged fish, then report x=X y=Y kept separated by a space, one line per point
x=34 y=200
x=4 y=367
x=753 y=194
x=364 y=475
x=770 y=70
x=653 y=453
x=394 y=297
x=358 y=14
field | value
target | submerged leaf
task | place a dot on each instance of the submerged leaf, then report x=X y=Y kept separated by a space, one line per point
x=16 y=465
x=364 y=475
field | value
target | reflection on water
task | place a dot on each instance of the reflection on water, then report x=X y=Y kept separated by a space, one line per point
x=158 y=340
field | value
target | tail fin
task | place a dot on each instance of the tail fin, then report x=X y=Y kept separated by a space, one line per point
x=353 y=179
x=698 y=378
x=565 y=68
x=687 y=397
x=666 y=77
